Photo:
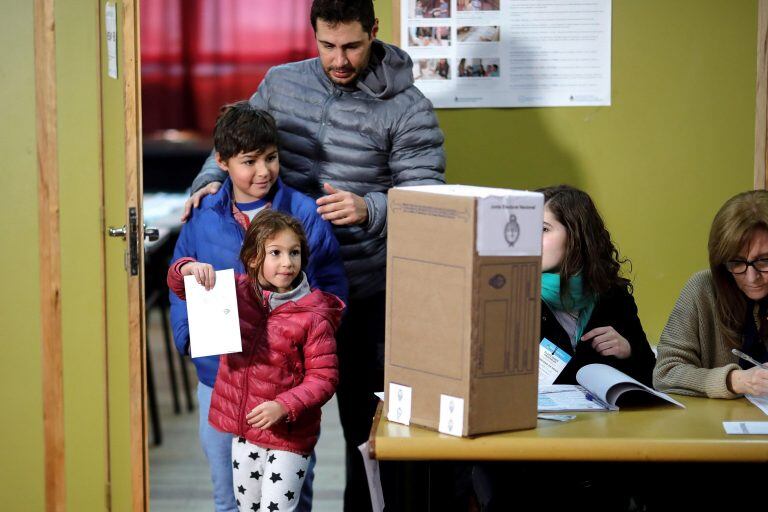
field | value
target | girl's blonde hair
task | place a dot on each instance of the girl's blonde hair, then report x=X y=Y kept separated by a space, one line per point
x=264 y=226
x=732 y=229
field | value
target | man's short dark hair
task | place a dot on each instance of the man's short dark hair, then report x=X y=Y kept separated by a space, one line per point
x=343 y=11
x=241 y=128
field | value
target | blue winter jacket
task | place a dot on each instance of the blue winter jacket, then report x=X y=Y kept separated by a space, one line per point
x=212 y=235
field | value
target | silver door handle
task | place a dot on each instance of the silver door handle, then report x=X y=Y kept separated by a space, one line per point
x=152 y=234
x=130 y=232
x=118 y=232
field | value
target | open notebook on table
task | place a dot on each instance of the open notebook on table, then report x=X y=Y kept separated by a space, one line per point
x=601 y=388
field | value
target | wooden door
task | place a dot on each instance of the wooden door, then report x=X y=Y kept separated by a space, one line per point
x=88 y=142
x=761 y=99
x=124 y=262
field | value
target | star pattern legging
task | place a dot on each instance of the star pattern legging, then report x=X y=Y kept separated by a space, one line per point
x=264 y=479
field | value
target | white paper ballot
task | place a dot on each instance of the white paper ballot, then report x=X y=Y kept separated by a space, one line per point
x=214 y=325
x=552 y=360
x=399 y=409
x=568 y=397
x=745 y=427
x=451 y=415
x=373 y=474
x=759 y=401
x=564 y=418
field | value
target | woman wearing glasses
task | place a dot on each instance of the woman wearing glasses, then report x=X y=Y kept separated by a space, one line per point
x=722 y=308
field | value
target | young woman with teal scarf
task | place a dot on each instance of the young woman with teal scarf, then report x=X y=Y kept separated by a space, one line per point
x=588 y=311
x=587 y=306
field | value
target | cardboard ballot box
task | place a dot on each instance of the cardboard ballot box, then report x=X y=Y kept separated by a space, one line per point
x=463 y=308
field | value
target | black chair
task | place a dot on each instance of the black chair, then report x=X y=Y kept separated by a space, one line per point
x=156 y=261
x=169 y=166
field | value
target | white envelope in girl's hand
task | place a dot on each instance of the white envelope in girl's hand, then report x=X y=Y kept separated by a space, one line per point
x=214 y=325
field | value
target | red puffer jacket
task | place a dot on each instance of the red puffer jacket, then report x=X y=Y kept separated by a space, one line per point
x=289 y=356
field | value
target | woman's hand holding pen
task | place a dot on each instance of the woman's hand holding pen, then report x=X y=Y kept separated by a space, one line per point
x=203 y=272
x=266 y=414
x=753 y=381
x=607 y=342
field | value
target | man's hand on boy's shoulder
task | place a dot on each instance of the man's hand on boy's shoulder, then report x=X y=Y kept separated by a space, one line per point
x=194 y=199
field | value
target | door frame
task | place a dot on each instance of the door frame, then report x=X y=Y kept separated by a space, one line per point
x=50 y=255
x=130 y=58
x=127 y=443
x=761 y=97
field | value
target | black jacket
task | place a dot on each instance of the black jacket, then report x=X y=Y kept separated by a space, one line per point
x=616 y=309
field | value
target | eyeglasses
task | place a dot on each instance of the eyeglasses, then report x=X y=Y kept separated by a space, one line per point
x=740 y=266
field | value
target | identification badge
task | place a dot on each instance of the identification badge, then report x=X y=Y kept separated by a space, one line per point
x=552 y=360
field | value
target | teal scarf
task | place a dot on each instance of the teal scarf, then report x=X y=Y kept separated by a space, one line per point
x=583 y=304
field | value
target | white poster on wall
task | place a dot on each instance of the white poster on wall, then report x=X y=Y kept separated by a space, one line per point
x=509 y=53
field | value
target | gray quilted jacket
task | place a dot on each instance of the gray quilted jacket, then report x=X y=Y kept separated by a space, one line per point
x=366 y=139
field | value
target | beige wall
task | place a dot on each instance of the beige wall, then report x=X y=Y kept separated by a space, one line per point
x=21 y=431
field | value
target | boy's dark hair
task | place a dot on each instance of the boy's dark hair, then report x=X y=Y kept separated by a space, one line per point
x=265 y=225
x=343 y=11
x=241 y=128
x=589 y=250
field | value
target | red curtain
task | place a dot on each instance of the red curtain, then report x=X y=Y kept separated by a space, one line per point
x=197 y=55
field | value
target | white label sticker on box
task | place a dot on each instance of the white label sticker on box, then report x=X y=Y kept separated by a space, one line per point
x=510 y=225
x=451 y=415
x=399 y=409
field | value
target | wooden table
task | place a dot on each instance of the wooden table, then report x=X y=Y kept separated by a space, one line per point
x=675 y=459
x=653 y=434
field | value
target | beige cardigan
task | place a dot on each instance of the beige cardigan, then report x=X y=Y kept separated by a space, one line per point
x=693 y=358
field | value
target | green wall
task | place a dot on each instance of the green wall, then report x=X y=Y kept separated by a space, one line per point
x=22 y=464
x=21 y=430
x=81 y=224
x=676 y=142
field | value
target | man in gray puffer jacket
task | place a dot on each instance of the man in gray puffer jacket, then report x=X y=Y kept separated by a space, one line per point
x=351 y=126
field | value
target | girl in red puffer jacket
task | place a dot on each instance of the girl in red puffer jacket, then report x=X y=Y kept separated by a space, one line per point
x=270 y=394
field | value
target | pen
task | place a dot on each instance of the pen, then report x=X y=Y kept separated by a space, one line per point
x=742 y=355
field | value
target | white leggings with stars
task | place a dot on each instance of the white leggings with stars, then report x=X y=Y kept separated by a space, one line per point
x=266 y=480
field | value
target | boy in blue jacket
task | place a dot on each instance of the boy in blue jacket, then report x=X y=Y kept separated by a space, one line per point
x=245 y=141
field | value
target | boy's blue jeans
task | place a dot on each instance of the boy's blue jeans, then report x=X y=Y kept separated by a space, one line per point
x=217 y=447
